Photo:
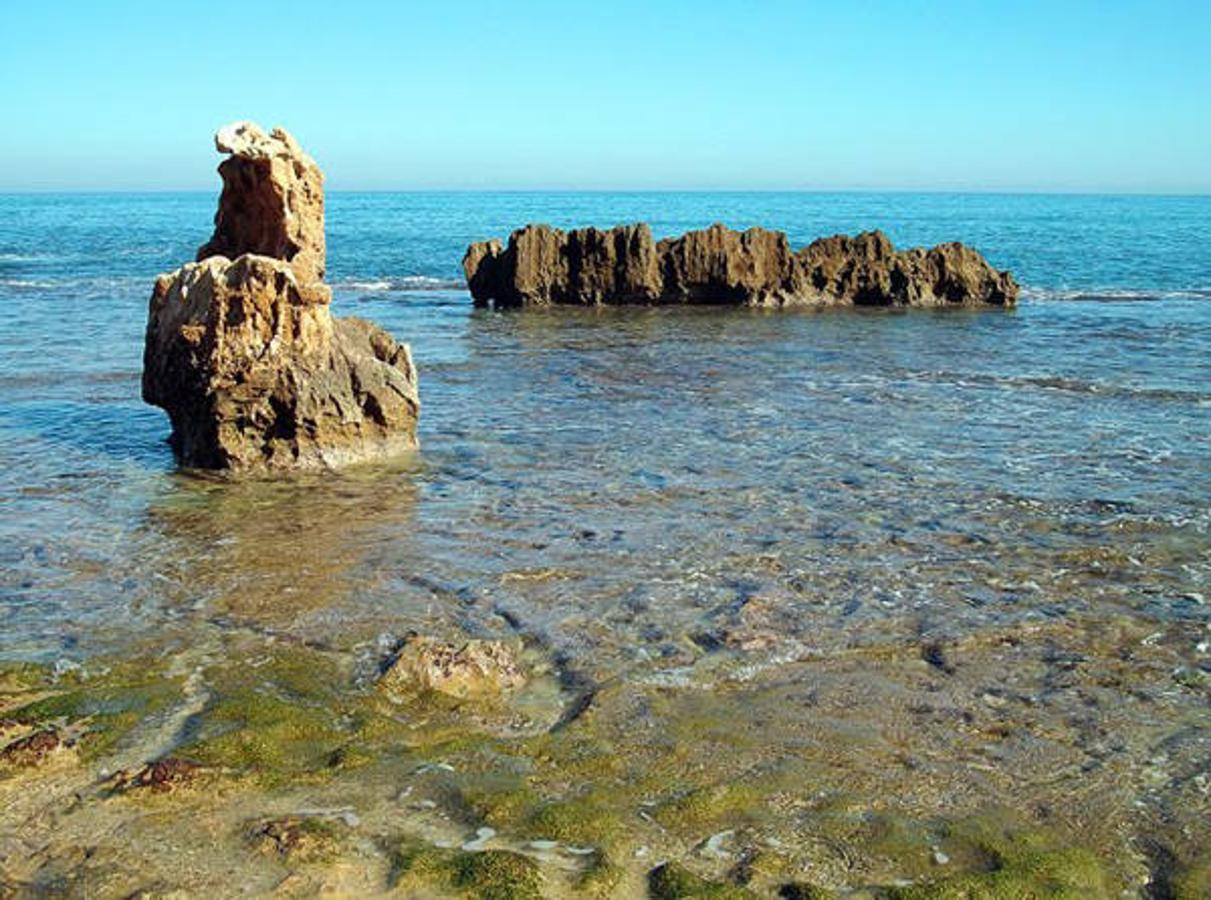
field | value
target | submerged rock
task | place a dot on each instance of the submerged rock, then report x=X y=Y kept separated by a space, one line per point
x=33 y=749
x=467 y=669
x=161 y=776
x=298 y=838
x=541 y=265
x=242 y=349
x=670 y=881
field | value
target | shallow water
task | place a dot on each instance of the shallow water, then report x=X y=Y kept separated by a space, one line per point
x=663 y=497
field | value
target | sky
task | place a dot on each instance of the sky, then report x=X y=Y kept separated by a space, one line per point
x=1063 y=95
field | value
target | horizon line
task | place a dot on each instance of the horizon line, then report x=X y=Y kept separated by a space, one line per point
x=991 y=192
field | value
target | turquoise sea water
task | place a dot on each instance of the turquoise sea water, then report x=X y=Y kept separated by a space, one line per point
x=649 y=452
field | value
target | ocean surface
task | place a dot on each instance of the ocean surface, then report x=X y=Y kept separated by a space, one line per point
x=811 y=586
x=641 y=447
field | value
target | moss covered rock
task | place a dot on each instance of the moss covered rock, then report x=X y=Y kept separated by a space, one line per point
x=671 y=881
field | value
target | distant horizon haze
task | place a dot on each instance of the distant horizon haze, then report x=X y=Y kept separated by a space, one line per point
x=939 y=97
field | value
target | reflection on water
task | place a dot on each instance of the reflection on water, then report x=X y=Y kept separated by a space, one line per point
x=284 y=553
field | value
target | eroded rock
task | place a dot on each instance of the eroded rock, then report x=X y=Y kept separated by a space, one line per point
x=244 y=354
x=272 y=202
x=541 y=265
x=464 y=669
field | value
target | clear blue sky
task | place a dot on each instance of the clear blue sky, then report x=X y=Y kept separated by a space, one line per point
x=1061 y=95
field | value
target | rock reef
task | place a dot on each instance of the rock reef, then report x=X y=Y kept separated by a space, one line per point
x=543 y=266
x=242 y=350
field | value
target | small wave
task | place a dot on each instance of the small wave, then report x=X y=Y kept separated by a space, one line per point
x=402 y=283
x=1113 y=295
x=96 y=283
x=23 y=257
x=26 y=284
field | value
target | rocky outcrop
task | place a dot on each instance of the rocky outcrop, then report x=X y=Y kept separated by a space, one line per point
x=543 y=265
x=272 y=202
x=244 y=353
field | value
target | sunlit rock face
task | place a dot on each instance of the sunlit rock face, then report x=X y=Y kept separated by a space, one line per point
x=541 y=266
x=242 y=350
x=272 y=202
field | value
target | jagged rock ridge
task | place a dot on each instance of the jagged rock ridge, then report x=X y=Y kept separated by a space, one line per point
x=541 y=265
x=242 y=349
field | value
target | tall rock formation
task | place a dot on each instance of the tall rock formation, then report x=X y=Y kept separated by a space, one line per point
x=272 y=202
x=242 y=350
x=541 y=265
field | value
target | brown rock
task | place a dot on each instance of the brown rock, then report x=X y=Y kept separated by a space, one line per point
x=254 y=371
x=162 y=776
x=719 y=265
x=541 y=265
x=467 y=669
x=32 y=749
x=619 y=265
x=299 y=838
x=251 y=366
x=480 y=263
x=272 y=202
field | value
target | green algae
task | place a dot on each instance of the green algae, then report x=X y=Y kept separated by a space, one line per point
x=21 y=678
x=484 y=875
x=671 y=881
x=1013 y=864
x=602 y=878
x=718 y=804
x=586 y=820
x=1193 y=882
x=501 y=804
x=254 y=731
x=498 y=875
x=292 y=715
x=109 y=705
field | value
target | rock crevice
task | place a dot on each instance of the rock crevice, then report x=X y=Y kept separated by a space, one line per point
x=542 y=266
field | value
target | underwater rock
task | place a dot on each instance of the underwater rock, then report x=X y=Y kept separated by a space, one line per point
x=670 y=881
x=245 y=355
x=299 y=838
x=542 y=266
x=162 y=776
x=33 y=749
x=466 y=669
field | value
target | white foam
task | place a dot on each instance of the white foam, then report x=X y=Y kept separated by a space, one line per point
x=1112 y=295
x=401 y=283
x=26 y=283
x=22 y=257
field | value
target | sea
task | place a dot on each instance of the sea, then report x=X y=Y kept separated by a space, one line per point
x=860 y=597
x=640 y=447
